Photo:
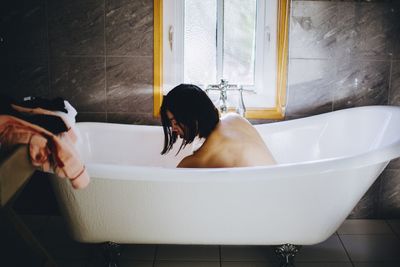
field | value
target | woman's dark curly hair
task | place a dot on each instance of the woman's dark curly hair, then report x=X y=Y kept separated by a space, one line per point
x=193 y=110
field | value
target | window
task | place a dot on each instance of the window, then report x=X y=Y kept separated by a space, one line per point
x=242 y=41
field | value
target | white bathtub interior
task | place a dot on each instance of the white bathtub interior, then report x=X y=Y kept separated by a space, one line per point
x=138 y=196
x=302 y=140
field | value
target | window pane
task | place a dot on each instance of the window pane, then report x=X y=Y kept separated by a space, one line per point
x=200 y=41
x=239 y=41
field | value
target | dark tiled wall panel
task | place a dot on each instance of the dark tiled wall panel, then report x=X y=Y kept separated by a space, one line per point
x=129 y=84
x=99 y=55
x=129 y=27
x=80 y=80
x=76 y=28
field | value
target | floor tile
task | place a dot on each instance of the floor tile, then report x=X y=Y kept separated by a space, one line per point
x=134 y=263
x=395 y=225
x=14 y=251
x=330 y=250
x=55 y=232
x=323 y=264
x=138 y=252
x=247 y=253
x=187 y=264
x=366 y=248
x=187 y=253
x=35 y=223
x=72 y=263
x=248 y=264
x=362 y=227
x=72 y=252
x=376 y=264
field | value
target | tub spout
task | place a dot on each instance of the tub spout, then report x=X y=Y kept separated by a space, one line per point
x=223 y=87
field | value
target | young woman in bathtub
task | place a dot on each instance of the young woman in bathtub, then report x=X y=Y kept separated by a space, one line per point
x=231 y=141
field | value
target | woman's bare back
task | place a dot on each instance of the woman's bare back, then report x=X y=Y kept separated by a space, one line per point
x=233 y=143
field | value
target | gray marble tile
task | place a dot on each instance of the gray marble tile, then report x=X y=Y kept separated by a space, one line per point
x=76 y=27
x=293 y=116
x=368 y=248
x=362 y=227
x=361 y=83
x=394 y=164
x=310 y=86
x=313 y=29
x=131 y=263
x=35 y=223
x=187 y=253
x=247 y=253
x=130 y=255
x=329 y=251
x=56 y=239
x=395 y=8
x=248 y=264
x=12 y=247
x=390 y=194
x=395 y=225
x=377 y=264
x=24 y=77
x=187 y=264
x=367 y=207
x=80 y=80
x=324 y=264
x=133 y=118
x=129 y=27
x=130 y=84
x=91 y=117
x=394 y=96
x=23 y=29
x=138 y=252
x=364 y=30
x=72 y=263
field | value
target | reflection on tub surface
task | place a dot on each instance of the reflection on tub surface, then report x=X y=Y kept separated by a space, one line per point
x=325 y=165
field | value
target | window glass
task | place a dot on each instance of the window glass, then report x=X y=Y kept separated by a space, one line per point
x=239 y=41
x=200 y=42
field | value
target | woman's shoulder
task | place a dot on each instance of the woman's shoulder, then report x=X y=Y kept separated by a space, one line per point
x=234 y=120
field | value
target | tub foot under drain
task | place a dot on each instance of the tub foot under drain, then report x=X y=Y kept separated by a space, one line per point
x=286 y=254
x=111 y=253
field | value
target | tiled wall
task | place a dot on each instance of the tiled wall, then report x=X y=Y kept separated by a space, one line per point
x=99 y=55
x=351 y=51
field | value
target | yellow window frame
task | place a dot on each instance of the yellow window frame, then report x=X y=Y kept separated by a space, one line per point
x=278 y=112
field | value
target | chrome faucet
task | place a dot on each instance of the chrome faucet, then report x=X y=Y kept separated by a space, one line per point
x=223 y=87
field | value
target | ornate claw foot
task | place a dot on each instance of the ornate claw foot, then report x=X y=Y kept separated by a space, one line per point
x=286 y=254
x=111 y=253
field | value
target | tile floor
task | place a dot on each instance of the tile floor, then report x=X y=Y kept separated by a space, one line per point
x=357 y=243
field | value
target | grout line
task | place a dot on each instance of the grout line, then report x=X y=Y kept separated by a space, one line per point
x=390 y=81
x=155 y=256
x=391 y=228
x=335 y=90
x=46 y=10
x=220 y=255
x=345 y=249
x=372 y=234
x=105 y=60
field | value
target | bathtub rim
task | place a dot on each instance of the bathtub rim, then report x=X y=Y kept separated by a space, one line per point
x=372 y=157
x=369 y=157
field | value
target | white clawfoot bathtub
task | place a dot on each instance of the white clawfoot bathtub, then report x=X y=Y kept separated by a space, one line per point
x=325 y=165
